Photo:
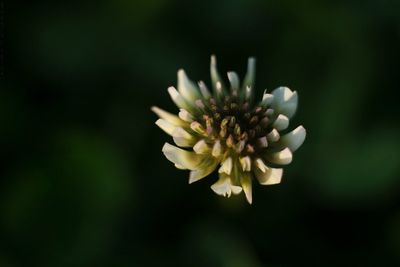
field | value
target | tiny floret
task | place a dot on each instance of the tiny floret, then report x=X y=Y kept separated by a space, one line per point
x=227 y=131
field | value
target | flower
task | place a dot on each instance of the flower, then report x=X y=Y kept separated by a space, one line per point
x=225 y=128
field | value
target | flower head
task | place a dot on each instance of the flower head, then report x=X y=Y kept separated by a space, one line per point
x=228 y=130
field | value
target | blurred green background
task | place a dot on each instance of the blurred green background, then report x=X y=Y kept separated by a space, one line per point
x=85 y=182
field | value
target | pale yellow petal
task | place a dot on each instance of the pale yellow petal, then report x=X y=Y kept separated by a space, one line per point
x=282 y=157
x=245 y=181
x=273 y=136
x=168 y=116
x=217 y=149
x=224 y=186
x=182 y=138
x=166 y=126
x=245 y=162
x=179 y=101
x=187 y=88
x=207 y=166
x=184 y=115
x=266 y=175
x=181 y=157
x=201 y=147
x=226 y=166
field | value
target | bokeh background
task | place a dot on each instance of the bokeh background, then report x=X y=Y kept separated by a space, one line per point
x=85 y=182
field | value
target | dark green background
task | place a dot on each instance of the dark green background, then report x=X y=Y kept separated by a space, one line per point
x=85 y=182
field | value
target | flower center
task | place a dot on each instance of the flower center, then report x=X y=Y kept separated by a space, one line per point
x=243 y=127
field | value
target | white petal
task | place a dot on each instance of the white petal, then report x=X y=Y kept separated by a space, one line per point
x=168 y=116
x=282 y=157
x=294 y=139
x=166 y=126
x=180 y=167
x=219 y=89
x=217 y=149
x=178 y=99
x=183 y=138
x=267 y=99
x=206 y=167
x=234 y=80
x=250 y=74
x=183 y=158
x=281 y=123
x=226 y=166
x=201 y=147
x=245 y=162
x=185 y=115
x=260 y=165
x=285 y=101
x=186 y=87
x=269 y=176
x=236 y=189
x=215 y=77
x=245 y=181
x=204 y=90
x=273 y=136
x=198 y=128
x=224 y=187
x=248 y=92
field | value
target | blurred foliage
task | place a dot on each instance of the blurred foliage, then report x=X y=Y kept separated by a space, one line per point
x=84 y=181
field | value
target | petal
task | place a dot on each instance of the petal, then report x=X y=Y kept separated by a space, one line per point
x=260 y=165
x=281 y=122
x=294 y=139
x=245 y=181
x=273 y=136
x=248 y=93
x=216 y=80
x=180 y=167
x=198 y=128
x=201 y=147
x=285 y=101
x=168 y=116
x=178 y=99
x=269 y=176
x=245 y=162
x=282 y=157
x=206 y=167
x=166 y=126
x=185 y=115
x=224 y=187
x=226 y=166
x=250 y=74
x=183 y=138
x=267 y=99
x=234 y=80
x=186 y=87
x=217 y=149
x=204 y=90
x=180 y=157
x=236 y=189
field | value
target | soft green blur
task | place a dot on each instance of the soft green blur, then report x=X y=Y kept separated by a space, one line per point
x=85 y=182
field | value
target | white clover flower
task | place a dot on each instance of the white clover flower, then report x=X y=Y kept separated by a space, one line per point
x=227 y=130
